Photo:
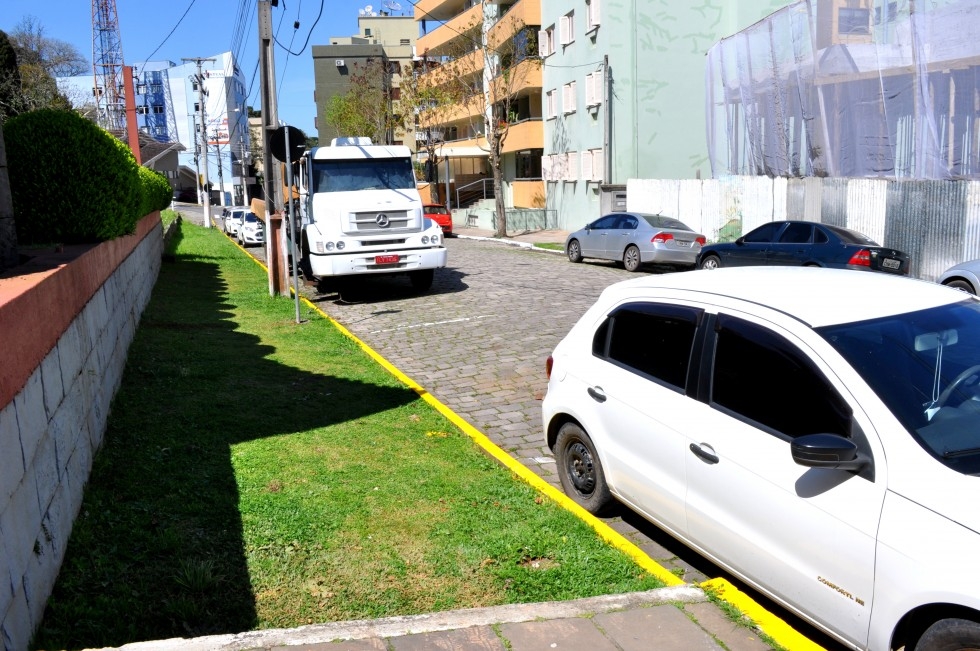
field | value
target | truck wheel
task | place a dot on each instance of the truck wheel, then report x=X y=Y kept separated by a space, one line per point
x=421 y=279
x=305 y=267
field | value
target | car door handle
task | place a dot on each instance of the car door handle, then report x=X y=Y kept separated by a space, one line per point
x=597 y=394
x=705 y=452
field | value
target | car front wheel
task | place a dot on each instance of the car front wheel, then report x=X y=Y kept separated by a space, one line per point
x=580 y=471
x=574 y=251
x=711 y=262
x=631 y=258
x=950 y=635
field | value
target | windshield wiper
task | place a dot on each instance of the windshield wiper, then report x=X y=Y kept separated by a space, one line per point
x=949 y=454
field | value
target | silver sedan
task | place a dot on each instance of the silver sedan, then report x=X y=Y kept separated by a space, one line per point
x=636 y=238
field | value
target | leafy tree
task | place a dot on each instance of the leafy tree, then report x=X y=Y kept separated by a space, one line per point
x=10 y=84
x=39 y=60
x=483 y=75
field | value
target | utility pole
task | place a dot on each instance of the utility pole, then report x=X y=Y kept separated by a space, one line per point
x=272 y=176
x=221 y=168
x=199 y=79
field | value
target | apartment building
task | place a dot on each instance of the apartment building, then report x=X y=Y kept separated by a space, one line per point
x=383 y=36
x=489 y=47
x=624 y=95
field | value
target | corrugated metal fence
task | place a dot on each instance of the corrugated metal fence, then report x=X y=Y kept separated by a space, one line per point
x=936 y=222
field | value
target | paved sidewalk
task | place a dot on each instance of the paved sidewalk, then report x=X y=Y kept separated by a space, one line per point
x=669 y=618
x=516 y=238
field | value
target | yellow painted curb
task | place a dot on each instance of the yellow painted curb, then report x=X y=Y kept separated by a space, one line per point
x=774 y=627
x=777 y=629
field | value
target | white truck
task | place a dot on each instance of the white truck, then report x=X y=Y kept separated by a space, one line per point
x=361 y=214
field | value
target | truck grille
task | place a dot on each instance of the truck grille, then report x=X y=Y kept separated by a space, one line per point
x=379 y=222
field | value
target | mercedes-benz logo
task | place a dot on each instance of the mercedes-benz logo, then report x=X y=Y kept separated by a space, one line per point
x=382 y=220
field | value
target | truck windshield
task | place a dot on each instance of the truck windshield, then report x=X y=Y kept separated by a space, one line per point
x=367 y=174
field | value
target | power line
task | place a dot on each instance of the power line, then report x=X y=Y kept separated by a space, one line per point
x=167 y=37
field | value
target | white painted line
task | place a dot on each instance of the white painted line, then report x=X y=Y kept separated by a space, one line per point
x=429 y=324
x=542 y=459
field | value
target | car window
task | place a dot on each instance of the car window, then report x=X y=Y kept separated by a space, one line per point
x=759 y=375
x=652 y=339
x=659 y=221
x=764 y=233
x=628 y=223
x=796 y=234
x=609 y=221
x=819 y=237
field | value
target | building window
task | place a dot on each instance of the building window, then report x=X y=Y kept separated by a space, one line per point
x=396 y=93
x=592 y=8
x=568 y=97
x=141 y=110
x=156 y=88
x=853 y=21
x=552 y=104
x=529 y=164
x=158 y=108
x=405 y=41
x=593 y=89
x=571 y=166
x=546 y=41
x=591 y=160
x=566 y=28
x=367 y=31
x=197 y=107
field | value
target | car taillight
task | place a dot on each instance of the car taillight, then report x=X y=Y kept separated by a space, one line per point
x=548 y=365
x=662 y=237
x=861 y=259
x=701 y=240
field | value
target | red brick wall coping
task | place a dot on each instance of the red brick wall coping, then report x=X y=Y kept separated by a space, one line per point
x=37 y=307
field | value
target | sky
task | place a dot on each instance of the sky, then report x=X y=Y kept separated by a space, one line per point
x=209 y=27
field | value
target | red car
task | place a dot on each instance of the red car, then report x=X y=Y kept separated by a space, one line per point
x=440 y=215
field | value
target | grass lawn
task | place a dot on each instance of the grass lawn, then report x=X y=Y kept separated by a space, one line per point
x=553 y=246
x=257 y=473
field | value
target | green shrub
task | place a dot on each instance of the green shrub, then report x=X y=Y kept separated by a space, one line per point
x=71 y=180
x=157 y=191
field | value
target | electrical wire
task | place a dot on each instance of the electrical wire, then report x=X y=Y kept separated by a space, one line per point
x=308 y=35
x=167 y=37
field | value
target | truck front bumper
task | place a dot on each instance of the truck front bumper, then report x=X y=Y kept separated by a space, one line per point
x=348 y=264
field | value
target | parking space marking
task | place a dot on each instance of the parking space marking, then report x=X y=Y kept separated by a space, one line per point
x=429 y=324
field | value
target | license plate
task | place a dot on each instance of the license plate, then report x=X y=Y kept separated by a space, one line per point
x=891 y=263
x=385 y=259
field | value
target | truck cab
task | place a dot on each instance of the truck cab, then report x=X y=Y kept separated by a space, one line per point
x=362 y=214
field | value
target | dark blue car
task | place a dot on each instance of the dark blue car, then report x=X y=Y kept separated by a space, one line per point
x=808 y=244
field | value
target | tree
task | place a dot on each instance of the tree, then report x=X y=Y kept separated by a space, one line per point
x=366 y=108
x=10 y=84
x=39 y=60
x=484 y=74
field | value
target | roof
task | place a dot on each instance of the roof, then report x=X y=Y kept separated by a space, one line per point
x=815 y=295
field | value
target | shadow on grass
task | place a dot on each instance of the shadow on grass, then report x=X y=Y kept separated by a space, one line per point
x=157 y=549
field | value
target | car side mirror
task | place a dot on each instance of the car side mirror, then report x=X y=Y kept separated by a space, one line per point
x=827 y=451
x=740 y=241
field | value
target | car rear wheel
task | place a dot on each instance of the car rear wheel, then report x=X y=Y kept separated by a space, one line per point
x=631 y=258
x=961 y=285
x=711 y=262
x=574 y=251
x=579 y=470
x=950 y=635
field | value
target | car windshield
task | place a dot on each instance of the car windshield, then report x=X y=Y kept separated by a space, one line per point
x=365 y=174
x=925 y=366
x=436 y=210
x=851 y=237
x=250 y=217
x=659 y=221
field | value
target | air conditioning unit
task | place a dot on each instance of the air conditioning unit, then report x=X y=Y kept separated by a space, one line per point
x=339 y=63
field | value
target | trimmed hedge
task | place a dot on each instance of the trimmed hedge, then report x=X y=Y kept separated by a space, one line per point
x=73 y=182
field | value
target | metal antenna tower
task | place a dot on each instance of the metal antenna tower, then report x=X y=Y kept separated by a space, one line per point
x=107 y=63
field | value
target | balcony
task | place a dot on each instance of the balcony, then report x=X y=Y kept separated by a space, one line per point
x=468 y=65
x=438 y=10
x=528 y=134
x=526 y=13
x=452 y=38
x=524 y=78
x=469 y=110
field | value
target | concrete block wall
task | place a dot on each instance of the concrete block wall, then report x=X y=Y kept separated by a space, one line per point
x=53 y=426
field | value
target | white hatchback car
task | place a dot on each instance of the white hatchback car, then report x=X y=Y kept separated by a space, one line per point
x=814 y=431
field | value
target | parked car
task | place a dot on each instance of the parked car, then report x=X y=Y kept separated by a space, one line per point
x=251 y=230
x=186 y=195
x=804 y=243
x=814 y=431
x=636 y=238
x=233 y=221
x=440 y=215
x=965 y=276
